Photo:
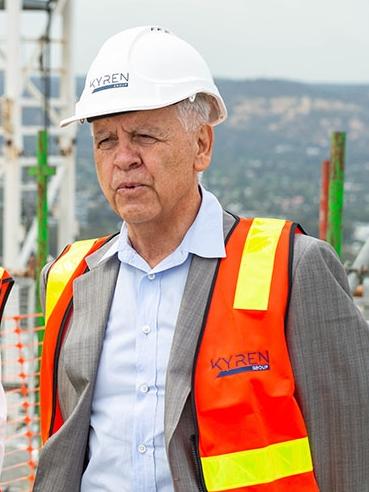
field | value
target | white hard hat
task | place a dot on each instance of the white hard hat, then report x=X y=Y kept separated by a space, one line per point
x=145 y=68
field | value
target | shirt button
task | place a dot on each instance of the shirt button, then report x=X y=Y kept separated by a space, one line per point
x=142 y=448
x=151 y=276
x=146 y=329
x=144 y=388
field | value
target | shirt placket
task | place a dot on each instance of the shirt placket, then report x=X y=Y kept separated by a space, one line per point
x=146 y=394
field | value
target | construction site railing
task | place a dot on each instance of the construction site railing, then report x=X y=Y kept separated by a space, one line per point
x=20 y=378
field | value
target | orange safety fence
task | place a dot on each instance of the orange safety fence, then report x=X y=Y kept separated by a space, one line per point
x=20 y=378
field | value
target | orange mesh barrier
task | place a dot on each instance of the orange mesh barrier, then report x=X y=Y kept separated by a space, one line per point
x=20 y=378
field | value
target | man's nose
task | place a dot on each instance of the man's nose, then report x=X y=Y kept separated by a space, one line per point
x=126 y=156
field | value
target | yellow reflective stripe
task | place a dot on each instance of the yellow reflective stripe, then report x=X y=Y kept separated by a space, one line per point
x=62 y=271
x=1 y=272
x=256 y=268
x=257 y=466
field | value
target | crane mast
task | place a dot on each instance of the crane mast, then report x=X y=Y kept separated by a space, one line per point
x=25 y=65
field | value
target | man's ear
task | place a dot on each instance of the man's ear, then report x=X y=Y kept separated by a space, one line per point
x=204 y=142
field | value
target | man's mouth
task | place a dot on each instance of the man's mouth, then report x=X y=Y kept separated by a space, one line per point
x=129 y=187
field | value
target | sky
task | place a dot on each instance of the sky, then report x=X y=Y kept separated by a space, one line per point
x=312 y=40
x=307 y=40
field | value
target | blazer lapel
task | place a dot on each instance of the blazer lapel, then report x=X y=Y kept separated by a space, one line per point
x=92 y=297
x=189 y=323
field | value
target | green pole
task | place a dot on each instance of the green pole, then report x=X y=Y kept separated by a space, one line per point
x=336 y=191
x=41 y=171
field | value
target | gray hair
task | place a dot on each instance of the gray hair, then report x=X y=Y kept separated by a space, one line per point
x=194 y=112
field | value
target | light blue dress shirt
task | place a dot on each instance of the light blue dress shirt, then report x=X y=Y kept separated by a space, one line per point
x=126 y=444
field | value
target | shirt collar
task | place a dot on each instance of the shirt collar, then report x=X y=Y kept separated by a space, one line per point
x=204 y=238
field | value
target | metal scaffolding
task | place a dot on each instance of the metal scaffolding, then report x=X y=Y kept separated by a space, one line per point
x=28 y=79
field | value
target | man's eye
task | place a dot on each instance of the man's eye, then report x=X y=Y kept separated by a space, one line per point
x=105 y=143
x=145 y=138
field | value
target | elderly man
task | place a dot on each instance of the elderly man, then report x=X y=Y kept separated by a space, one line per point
x=195 y=350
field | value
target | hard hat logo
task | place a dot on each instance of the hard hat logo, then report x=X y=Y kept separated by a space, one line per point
x=109 y=81
x=159 y=29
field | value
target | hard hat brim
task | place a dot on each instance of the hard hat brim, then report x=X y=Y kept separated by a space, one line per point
x=222 y=110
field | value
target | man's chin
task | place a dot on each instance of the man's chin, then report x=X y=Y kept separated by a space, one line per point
x=136 y=217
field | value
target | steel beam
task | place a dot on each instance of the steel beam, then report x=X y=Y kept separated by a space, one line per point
x=67 y=225
x=336 y=191
x=13 y=142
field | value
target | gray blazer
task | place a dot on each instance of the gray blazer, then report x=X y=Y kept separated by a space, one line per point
x=328 y=341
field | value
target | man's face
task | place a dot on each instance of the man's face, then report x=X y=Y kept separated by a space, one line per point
x=147 y=164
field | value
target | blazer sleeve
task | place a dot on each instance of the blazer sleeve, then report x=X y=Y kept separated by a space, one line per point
x=328 y=340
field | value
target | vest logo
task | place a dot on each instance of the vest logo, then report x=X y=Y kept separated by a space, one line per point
x=109 y=81
x=242 y=362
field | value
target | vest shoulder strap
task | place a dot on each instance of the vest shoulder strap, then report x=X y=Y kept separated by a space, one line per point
x=6 y=284
x=257 y=261
x=64 y=268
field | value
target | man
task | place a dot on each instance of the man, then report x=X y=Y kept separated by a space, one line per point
x=195 y=350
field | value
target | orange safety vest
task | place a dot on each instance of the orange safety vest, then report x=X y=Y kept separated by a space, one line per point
x=59 y=304
x=6 y=284
x=250 y=433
